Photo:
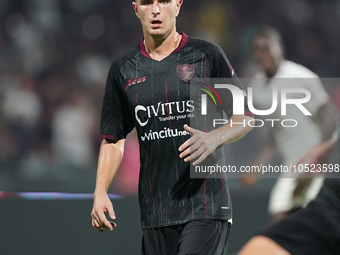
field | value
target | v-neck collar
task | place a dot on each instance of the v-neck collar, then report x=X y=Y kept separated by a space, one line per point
x=182 y=43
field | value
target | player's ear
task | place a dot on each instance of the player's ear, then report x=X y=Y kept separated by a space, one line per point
x=135 y=7
x=178 y=6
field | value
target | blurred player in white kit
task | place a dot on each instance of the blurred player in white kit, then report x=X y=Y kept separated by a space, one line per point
x=276 y=72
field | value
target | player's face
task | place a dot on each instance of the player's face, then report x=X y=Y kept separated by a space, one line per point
x=267 y=52
x=158 y=17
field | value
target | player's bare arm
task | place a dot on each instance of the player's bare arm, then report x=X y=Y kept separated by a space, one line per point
x=319 y=154
x=202 y=144
x=327 y=118
x=110 y=157
x=261 y=245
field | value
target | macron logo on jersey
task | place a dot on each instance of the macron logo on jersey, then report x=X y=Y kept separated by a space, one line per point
x=136 y=81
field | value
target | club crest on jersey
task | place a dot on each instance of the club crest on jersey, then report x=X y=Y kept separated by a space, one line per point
x=185 y=72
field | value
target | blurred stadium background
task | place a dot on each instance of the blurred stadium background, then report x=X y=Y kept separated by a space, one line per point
x=54 y=59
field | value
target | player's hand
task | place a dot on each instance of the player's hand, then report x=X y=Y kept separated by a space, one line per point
x=317 y=155
x=200 y=145
x=101 y=205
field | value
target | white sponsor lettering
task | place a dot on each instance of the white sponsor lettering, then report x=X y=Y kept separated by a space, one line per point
x=166 y=133
x=163 y=109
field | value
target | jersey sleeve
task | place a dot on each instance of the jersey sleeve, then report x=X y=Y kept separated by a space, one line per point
x=116 y=121
x=223 y=69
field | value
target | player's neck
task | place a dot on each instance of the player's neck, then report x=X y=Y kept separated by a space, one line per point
x=159 y=49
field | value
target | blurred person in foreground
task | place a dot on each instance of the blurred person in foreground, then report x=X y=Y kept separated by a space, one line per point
x=312 y=230
x=179 y=215
x=292 y=190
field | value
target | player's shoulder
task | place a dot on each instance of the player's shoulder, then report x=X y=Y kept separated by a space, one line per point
x=295 y=70
x=207 y=47
x=121 y=58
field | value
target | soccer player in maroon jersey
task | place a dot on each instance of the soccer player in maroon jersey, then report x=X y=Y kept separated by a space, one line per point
x=148 y=87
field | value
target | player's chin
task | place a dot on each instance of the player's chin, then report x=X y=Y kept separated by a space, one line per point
x=157 y=33
x=156 y=30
